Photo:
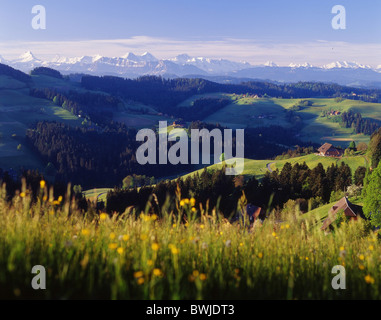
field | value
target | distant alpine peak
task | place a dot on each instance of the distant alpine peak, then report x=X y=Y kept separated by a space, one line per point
x=302 y=65
x=97 y=57
x=59 y=59
x=148 y=56
x=27 y=57
x=133 y=65
x=346 y=65
x=183 y=56
x=270 y=64
x=145 y=57
x=129 y=56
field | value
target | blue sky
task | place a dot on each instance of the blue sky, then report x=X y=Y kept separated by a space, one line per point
x=277 y=30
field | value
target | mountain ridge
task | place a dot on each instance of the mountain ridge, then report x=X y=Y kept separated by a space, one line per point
x=131 y=65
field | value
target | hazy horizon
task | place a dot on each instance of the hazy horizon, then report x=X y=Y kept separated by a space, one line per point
x=251 y=31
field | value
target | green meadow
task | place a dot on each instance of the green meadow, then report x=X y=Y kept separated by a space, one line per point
x=246 y=112
x=258 y=168
x=202 y=256
x=18 y=111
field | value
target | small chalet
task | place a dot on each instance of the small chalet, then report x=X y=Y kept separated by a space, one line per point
x=328 y=150
x=178 y=124
x=350 y=210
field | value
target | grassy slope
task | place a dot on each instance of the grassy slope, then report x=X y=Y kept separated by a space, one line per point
x=98 y=257
x=258 y=168
x=18 y=111
x=99 y=194
x=244 y=112
x=316 y=216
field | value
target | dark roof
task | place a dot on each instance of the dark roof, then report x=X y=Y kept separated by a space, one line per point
x=253 y=210
x=350 y=210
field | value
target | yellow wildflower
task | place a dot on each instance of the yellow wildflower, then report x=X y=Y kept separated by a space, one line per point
x=369 y=279
x=112 y=236
x=85 y=232
x=174 y=250
x=103 y=216
x=140 y=281
x=125 y=237
x=157 y=272
x=146 y=218
x=203 y=277
x=138 y=274
x=120 y=250
x=192 y=202
x=42 y=184
x=155 y=246
x=113 y=246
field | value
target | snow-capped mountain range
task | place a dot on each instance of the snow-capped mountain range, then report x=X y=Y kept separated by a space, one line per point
x=132 y=65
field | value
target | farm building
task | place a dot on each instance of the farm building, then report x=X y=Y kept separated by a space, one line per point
x=349 y=209
x=178 y=124
x=328 y=150
x=253 y=213
x=334 y=113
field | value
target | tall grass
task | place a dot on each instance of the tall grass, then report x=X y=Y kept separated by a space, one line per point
x=130 y=256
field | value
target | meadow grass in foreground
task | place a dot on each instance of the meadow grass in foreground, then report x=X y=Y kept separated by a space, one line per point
x=91 y=256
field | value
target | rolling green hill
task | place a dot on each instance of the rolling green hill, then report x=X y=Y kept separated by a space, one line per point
x=258 y=168
x=18 y=111
x=256 y=112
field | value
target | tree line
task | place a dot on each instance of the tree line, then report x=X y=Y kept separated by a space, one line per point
x=90 y=157
x=97 y=107
x=354 y=120
x=211 y=188
x=166 y=94
x=13 y=73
